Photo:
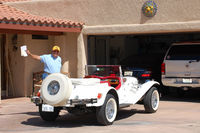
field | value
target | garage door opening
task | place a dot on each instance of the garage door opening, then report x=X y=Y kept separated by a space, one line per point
x=138 y=51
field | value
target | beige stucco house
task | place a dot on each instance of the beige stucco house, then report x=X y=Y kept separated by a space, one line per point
x=85 y=29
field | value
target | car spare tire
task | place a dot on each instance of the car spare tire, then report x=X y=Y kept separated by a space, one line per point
x=56 y=89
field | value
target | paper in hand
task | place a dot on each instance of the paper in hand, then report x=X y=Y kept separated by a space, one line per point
x=23 y=51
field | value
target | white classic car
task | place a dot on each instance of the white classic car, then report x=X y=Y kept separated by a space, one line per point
x=104 y=90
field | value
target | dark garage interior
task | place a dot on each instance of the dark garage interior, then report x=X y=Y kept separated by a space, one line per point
x=138 y=51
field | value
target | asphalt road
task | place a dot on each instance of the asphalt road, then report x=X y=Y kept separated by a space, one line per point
x=175 y=115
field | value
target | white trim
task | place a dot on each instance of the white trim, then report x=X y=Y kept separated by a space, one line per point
x=190 y=26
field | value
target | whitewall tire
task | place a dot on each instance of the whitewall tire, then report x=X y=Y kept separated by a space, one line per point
x=151 y=100
x=107 y=113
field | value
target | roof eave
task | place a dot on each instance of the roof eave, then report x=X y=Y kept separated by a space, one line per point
x=25 y=27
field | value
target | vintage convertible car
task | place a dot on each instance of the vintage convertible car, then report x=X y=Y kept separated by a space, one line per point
x=103 y=91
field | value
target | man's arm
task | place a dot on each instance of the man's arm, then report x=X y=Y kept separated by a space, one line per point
x=36 y=57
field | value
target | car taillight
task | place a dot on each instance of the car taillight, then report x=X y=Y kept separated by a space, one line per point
x=163 y=68
x=146 y=75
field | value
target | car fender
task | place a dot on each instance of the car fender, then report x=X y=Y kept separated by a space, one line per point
x=149 y=84
x=143 y=88
x=111 y=90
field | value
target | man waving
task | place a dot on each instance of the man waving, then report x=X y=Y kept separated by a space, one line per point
x=52 y=62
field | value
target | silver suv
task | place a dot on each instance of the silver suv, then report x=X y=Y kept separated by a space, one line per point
x=181 y=66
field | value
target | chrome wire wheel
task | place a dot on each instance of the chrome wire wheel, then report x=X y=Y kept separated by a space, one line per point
x=111 y=110
x=155 y=100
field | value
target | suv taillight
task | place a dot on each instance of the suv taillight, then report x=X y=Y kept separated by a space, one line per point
x=163 y=68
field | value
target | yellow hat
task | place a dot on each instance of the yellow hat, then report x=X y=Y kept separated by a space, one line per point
x=56 y=48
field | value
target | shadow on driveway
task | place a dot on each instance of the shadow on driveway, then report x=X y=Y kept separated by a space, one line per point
x=26 y=113
x=187 y=96
x=69 y=120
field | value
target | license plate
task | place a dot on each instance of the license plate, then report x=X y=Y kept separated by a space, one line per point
x=128 y=73
x=47 y=108
x=187 y=80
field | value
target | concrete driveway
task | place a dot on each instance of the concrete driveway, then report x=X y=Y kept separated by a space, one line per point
x=174 y=115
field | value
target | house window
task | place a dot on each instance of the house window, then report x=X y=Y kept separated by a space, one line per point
x=42 y=37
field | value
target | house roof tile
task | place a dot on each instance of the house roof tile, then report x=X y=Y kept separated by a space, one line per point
x=11 y=15
x=4 y=1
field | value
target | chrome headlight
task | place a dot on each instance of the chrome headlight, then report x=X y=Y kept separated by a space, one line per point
x=53 y=87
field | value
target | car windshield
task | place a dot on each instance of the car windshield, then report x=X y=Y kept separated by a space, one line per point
x=103 y=70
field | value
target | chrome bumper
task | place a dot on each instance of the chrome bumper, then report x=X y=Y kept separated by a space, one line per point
x=82 y=101
x=178 y=82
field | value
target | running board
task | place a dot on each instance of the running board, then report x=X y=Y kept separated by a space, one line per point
x=124 y=105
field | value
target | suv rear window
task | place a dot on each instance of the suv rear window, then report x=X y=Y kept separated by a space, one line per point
x=184 y=52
